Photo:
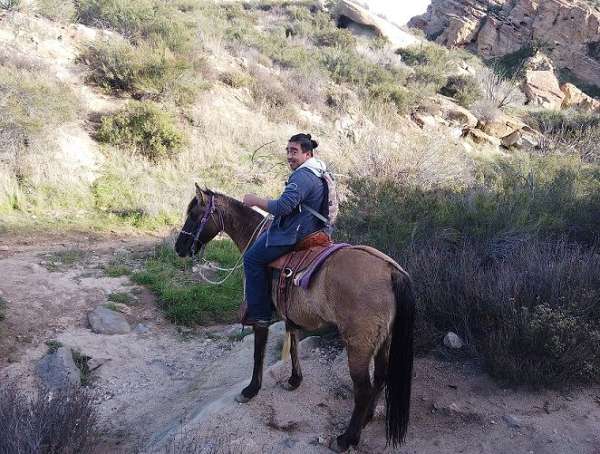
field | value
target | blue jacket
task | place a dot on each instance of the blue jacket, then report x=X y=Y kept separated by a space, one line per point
x=291 y=223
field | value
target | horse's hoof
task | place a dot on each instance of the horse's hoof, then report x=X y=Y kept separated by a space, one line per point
x=242 y=399
x=336 y=447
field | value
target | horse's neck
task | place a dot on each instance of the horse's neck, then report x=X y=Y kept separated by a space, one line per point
x=240 y=222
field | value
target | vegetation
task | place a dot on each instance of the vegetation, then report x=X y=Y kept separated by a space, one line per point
x=184 y=298
x=122 y=298
x=48 y=422
x=509 y=264
x=10 y=4
x=145 y=127
x=57 y=10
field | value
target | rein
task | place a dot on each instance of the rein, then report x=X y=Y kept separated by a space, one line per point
x=210 y=210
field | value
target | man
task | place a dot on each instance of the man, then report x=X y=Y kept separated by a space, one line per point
x=292 y=223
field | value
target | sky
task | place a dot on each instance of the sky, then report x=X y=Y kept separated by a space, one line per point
x=398 y=11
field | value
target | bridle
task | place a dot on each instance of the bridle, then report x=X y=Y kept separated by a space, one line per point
x=211 y=209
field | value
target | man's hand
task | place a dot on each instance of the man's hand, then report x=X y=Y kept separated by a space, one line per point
x=252 y=200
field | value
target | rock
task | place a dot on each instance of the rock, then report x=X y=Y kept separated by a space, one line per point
x=512 y=421
x=575 y=98
x=95 y=363
x=541 y=86
x=424 y=121
x=512 y=140
x=140 y=328
x=452 y=340
x=479 y=137
x=277 y=336
x=122 y=308
x=502 y=126
x=307 y=345
x=498 y=27
x=57 y=370
x=105 y=321
x=350 y=14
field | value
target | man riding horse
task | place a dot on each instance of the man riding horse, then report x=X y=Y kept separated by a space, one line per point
x=304 y=194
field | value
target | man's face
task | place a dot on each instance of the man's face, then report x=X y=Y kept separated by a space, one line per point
x=295 y=156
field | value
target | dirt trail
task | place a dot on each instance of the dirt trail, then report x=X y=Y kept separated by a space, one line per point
x=160 y=382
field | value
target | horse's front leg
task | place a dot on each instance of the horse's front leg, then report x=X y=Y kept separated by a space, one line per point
x=261 y=334
x=296 y=377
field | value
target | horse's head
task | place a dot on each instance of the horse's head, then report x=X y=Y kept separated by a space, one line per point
x=202 y=223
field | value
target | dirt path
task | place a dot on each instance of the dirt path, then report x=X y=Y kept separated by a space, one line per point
x=162 y=386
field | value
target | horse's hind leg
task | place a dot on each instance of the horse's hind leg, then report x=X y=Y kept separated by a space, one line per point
x=261 y=334
x=381 y=359
x=358 y=361
x=296 y=377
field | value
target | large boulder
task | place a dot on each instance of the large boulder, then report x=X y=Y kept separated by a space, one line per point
x=541 y=87
x=350 y=14
x=575 y=98
x=57 y=370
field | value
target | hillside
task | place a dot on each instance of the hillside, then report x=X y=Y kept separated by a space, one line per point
x=467 y=151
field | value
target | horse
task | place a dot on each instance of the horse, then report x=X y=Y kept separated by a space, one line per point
x=360 y=290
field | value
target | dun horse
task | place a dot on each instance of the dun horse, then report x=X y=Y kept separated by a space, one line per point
x=360 y=290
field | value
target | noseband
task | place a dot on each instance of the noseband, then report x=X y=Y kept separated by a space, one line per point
x=210 y=210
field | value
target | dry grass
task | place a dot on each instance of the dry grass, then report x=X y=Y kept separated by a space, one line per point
x=49 y=422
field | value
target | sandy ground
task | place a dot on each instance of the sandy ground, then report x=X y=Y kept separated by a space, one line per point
x=164 y=389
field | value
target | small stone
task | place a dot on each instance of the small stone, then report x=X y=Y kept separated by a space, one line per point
x=512 y=421
x=105 y=321
x=140 y=328
x=452 y=340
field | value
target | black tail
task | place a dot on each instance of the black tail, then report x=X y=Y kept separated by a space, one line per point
x=400 y=362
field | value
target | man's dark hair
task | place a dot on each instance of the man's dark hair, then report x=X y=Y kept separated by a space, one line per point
x=305 y=141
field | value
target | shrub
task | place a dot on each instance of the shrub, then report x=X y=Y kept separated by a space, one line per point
x=464 y=89
x=142 y=70
x=511 y=265
x=57 y=10
x=235 y=79
x=569 y=131
x=404 y=99
x=10 y=4
x=49 y=422
x=497 y=90
x=145 y=127
x=267 y=89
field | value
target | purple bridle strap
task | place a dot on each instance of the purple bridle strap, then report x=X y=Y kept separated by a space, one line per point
x=210 y=209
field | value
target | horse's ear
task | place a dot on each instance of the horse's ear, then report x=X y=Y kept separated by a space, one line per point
x=199 y=193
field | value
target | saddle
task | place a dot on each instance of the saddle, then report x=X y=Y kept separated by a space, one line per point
x=297 y=267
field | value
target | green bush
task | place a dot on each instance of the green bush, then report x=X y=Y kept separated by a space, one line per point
x=57 y=10
x=142 y=70
x=404 y=100
x=145 y=127
x=32 y=103
x=464 y=89
x=159 y=23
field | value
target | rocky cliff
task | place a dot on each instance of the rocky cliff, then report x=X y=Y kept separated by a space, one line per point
x=570 y=29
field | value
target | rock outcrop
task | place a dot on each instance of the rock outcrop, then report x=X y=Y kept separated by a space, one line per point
x=541 y=87
x=493 y=28
x=575 y=98
x=350 y=14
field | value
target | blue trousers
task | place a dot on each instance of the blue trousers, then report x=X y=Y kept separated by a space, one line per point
x=258 y=282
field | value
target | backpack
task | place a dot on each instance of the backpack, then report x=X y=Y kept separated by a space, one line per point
x=330 y=207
